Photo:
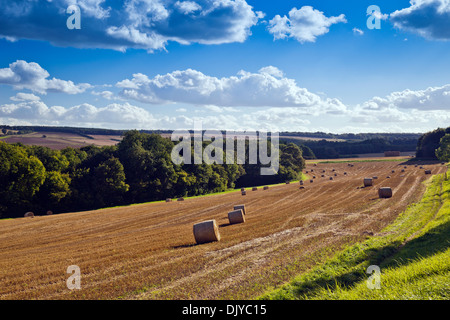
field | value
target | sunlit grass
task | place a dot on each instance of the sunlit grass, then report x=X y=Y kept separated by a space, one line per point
x=413 y=255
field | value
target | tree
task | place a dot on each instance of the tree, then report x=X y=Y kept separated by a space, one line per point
x=429 y=142
x=53 y=160
x=307 y=152
x=443 y=152
x=21 y=176
x=55 y=188
x=148 y=165
x=291 y=157
x=109 y=181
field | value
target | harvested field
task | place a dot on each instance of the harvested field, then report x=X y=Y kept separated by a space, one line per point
x=148 y=251
x=61 y=140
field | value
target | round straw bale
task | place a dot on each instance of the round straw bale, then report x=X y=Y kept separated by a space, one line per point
x=206 y=231
x=403 y=170
x=427 y=171
x=254 y=189
x=375 y=177
x=288 y=182
x=168 y=200
x=385 y=192
x=240 y=207
x=266 y=187
x=301 y=182
x=393 y=171
x=236 y=216
x=301 y=188
x=311 y=181
x=388 y=177
x=314 y=177
x=331 y=178
x=243 y=193
x=49 y=212
x=368 y=182
x=180 y=199
x=29 y=214
x=242 y=189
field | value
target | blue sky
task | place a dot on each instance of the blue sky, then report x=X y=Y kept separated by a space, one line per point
x=231 y=64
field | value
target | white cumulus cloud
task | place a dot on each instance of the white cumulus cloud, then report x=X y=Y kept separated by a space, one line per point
x=266 y=88
x=432 y=98
x=427 y=18
x=30 y=75
x=138 y=24
x=304 y=24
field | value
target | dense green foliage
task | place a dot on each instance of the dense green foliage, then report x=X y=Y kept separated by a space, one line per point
x=443 y=152
x=324 y=149
x=430 y=142
x=138 y=169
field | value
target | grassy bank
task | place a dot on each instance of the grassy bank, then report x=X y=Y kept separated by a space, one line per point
x=413 y=255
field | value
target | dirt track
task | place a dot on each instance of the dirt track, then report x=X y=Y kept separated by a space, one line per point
x=120 y=251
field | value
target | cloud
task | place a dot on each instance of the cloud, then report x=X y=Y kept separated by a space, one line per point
x=433 y=98
x=187 y=7
x=30 y=75
x=113 y=115
x=404 y=111
x=266 y=88
x=427 y=18
x=358 y=32
x=304 y=24
x=106 y=94
x=139 y=24
x=91 y=8
x=21 y=96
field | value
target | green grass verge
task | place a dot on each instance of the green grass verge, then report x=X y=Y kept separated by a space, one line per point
x=413 y=254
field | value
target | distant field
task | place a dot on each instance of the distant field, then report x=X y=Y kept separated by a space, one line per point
x=61 y=140
x=168 y=135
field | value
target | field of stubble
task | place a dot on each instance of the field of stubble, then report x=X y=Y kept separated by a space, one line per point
x=148 y=251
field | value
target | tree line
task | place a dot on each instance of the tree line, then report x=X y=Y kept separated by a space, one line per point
x=434 y=145
x=325 y=149
x=138 y=169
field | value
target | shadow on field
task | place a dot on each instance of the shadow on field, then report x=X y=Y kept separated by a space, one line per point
x=223 y=225
x=424 y=162
x=433 y=241
x=395 y=254
x=184 y=246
